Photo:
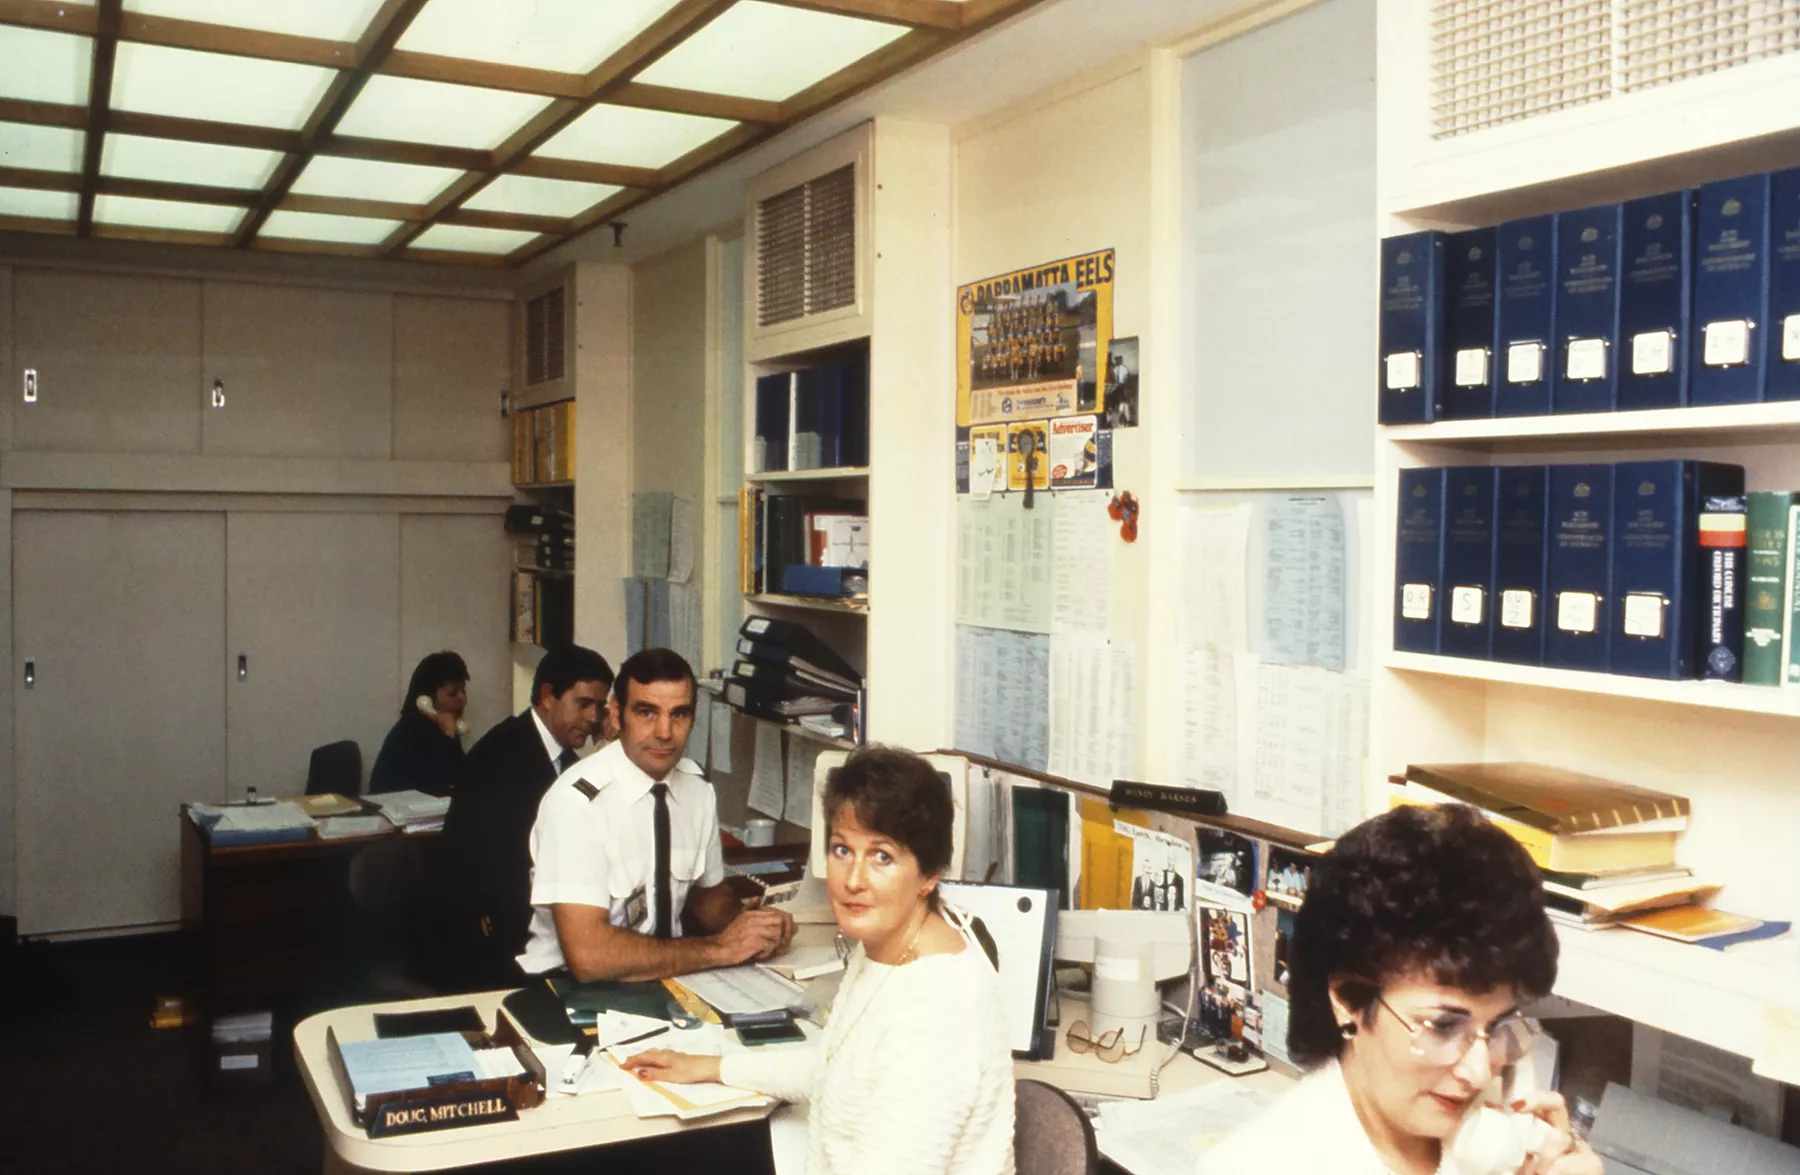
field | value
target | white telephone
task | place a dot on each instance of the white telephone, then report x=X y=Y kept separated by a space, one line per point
x=1493 y=1140
x=424 y=703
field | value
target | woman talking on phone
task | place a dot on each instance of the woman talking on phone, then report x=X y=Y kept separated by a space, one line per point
x=1422 y=932
x=424 y=748
x=913 y=1072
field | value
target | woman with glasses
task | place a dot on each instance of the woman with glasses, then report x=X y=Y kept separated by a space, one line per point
x=913 y=1072
x=1422 y=932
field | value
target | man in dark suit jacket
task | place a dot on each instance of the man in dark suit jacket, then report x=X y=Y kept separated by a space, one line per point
x=486 y=846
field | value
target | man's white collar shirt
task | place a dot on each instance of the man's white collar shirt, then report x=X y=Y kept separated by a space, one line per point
x=594 y=844
x=551 y=747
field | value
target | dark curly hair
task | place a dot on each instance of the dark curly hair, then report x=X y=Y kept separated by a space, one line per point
x=1435 y=891
x=901 y=796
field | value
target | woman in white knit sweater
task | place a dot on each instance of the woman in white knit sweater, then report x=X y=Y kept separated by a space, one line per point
x=914 y=1073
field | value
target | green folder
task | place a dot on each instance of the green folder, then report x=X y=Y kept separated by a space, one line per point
x=1041 y=840
x=583 y=1001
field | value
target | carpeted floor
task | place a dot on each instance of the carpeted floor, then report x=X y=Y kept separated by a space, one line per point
x=87 y=1085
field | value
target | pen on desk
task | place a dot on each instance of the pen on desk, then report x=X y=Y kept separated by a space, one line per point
x=641 y=1036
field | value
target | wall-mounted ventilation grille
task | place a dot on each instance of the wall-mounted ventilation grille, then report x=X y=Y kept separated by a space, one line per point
x=1496 y=61
x=544 y=338
x=806 y=249
x=1664 y=41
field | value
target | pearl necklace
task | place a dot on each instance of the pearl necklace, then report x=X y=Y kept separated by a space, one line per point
x=906 y=956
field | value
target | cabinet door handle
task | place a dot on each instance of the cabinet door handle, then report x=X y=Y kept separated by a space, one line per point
x=31 y=385
x=31 y=673
x=243 y=667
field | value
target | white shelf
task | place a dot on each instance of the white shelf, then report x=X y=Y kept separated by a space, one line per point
x=841 y=473
x=1743 y=423
x=1715 y=695
x=810 y=604
x=1713 y=996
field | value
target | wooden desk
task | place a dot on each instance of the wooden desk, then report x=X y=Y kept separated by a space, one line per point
x=273 y=920
x=560 y=1124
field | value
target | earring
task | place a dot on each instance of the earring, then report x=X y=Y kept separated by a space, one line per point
x=1347 y=1030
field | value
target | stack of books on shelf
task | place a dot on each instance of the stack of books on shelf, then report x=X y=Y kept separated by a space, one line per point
x=1606 y=849
x=813 y=418
x=803 y=545
x=543 y=587
x=543 y=447
x=785 y=673
x=1635 y=568
x=1678 y=299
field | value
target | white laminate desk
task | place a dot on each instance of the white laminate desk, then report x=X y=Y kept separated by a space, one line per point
x=559 y=1124
x=1180 y=1075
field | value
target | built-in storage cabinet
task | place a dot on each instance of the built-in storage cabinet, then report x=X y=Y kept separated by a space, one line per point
x=118 y=708
x=451 y=364
x=307 y=371
x=117 y=360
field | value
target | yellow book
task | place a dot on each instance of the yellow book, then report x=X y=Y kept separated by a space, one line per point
x=1586 y=853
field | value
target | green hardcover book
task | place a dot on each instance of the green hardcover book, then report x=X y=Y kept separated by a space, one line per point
x=1766 y=601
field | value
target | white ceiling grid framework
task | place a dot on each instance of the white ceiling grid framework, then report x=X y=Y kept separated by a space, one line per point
x=475 y=132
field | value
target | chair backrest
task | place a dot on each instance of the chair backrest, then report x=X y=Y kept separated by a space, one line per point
x=335 y=767
x=1051 y=1136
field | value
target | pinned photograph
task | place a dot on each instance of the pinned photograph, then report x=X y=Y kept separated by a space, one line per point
x=1227 y=860
x=1226 y=937
x=1121 y=383
x=1160 y=876
x=1289 y=871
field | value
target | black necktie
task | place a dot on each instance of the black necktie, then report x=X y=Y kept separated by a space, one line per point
x=566 y=760
x=661 y=824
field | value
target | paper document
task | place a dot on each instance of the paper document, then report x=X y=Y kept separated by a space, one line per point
x=338 y=827
x=1168 y=1136
x=682 y=525
x=802 y=756
x=261 y=818
x=1215 y=546
x=720 y=730
x=654 y=1099
x=405 y=1062
x=741 y=990
x=1082 y=555
x=767 y=775
x=404 y=807
x=1304 y=581
x=650 y=527
x=1003 y=695
x=1005 y=563
x=1092 y=712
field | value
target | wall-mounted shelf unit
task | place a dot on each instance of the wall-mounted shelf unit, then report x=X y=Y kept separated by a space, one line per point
x=809 y=603
x=1729 y=748
x=845 y=473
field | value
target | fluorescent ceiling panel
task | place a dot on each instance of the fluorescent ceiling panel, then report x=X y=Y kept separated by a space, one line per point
x=318 y=226
x=334 y=20
x=42 y=205
x=634 y=138
x=365 y=179
x=437 y=112
x=200 y=218
x=768 y=51
x=173 y=161
x=540 y=197
x=568 y=36
x=42 y=66
x=47 y=148
x=464 y=238
x=152 y=79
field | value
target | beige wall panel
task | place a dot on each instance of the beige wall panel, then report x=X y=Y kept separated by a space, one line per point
x=450 y=365
x=455 y=572
x=123 y=614
x=308 y=372
x=668 y=372
x=118 y=362
x=313 y=602
x=603 y=454
x=9 y=371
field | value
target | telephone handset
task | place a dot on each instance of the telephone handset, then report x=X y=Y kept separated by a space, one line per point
x=1492 y=1139
x=424 y=703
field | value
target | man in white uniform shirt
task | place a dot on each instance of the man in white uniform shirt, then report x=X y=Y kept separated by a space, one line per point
x=629 y=837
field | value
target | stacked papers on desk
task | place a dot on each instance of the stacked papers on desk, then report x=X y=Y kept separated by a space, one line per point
x=413 y=811
x=252 y=824
x=340 y=827
x=658 y=1099
x=743 y=990
x=1168 y=1135
x=396 y=1063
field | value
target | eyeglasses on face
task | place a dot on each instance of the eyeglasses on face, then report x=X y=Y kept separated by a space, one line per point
x=1446 y=1037
x=1109 y=1047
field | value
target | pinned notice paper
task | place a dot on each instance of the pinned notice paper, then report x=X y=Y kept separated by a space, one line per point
x=766 y=774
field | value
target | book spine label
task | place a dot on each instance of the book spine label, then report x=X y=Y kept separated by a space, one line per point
x=1411 y=385
x=1659 y=579
x=1783 y=351
x=1520 y=494
x=1766 y=569
x=1585 y=375
x=1527 y=305
x=1472 y=278
x=1723 y=537
x=1655 y=241
x=1578 y=611
x=1418 y=560
x=1467 y=629
x=1731 y=288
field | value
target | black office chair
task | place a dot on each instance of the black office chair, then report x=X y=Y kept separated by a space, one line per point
x=1051 y=1135
x=335 y=767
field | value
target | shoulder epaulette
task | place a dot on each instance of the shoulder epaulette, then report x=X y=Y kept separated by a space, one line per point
x=587 y=789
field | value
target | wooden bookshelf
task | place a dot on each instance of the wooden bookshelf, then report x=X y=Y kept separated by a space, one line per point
x=810 y=603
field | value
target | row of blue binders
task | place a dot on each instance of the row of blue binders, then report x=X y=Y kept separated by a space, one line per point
x=1685 y=298
x=813 y=418
x=1631 y=568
